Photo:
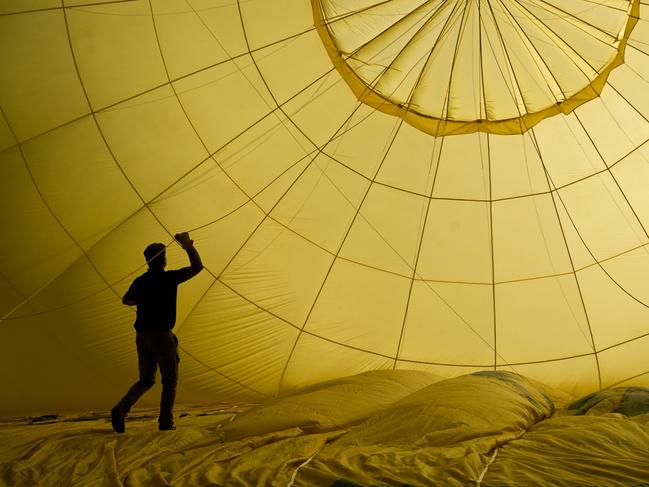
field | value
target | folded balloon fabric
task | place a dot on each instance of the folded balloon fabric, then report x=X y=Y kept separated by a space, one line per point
x=383 y=428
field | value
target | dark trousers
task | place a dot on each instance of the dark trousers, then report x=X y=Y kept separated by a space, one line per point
x=155 y=349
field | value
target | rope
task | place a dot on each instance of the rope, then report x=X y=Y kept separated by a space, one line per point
x=290 y=483
x=484 y=470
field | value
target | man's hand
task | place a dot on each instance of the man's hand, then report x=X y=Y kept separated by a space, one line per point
x=184 y=240
x=194 y=259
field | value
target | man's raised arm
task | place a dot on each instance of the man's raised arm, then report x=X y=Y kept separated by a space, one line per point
x=194 y=259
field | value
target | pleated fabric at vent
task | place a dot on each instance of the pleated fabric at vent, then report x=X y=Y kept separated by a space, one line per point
x=440 y=186
x=475 y=65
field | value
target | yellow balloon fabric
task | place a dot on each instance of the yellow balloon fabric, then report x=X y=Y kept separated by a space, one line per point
x=444 y=186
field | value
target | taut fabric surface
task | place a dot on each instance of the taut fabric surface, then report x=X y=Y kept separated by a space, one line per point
x=443 y=186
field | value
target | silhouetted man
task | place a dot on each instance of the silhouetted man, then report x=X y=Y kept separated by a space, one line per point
x=154 y=294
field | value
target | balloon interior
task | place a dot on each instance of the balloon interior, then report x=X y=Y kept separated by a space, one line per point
x=423 y=225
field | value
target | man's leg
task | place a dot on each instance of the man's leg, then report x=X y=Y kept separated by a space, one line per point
x=147 y=368
x=168 y=361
